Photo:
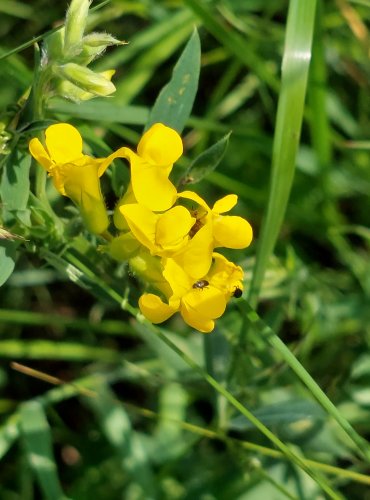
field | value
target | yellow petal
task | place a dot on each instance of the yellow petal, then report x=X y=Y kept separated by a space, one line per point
x=105 y=162
x=190 y=195
x=154 y=309
x=196 y=258
x=151 y=185
x=160 y=145
x=179 y=281
x=94 y=213
x=225 y=275
x=63 y=142
x=142 y=222
x=38 y=151
x=208 y=302
x=200 y=323
x=82 y=185
x=225 y=204
x=173 y=228
x=232 y=232
x=127 y=199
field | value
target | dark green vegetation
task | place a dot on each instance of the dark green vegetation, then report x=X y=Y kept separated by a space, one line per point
x=136 y=420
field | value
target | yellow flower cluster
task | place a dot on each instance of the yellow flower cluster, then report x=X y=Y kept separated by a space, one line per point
x=168 y=237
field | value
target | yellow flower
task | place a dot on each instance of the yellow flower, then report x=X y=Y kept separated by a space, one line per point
x=212 y=230
x=163 y=234
x=74 y=174
x=229 y=231
x=199 y=301
x=157 y=151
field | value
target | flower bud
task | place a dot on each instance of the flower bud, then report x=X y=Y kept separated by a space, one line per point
x=75 y=25
x=86 y=79
x=93 y=45
x=70 y=91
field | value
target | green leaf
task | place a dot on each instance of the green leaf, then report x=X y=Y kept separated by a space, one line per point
x=206 y=162
x=7 y=259
x=175 y=101
x=38 y=441
x=15 y=184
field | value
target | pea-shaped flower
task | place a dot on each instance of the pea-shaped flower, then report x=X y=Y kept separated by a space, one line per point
x=199 y=302
x=74 y=174
x=212 y=229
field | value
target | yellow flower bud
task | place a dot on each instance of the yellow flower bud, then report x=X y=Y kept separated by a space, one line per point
x=70 y=91
x=86 y=79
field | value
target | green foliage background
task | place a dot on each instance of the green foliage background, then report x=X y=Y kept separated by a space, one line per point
x=134 y=419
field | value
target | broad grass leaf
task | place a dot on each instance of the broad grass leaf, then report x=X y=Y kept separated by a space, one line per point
x=206 y=162
x=175 y=101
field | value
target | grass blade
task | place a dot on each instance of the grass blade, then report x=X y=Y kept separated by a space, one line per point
x=296 y=59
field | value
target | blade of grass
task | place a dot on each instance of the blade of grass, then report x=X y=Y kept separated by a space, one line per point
x=44 y=349
x=296 y=59
x=108 y=327
x=38 y=441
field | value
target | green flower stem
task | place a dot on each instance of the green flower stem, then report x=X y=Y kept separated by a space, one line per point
x=267 y=334
x=38 y=101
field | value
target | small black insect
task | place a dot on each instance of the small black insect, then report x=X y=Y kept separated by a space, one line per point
x=238 y=292
x=200 y=284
